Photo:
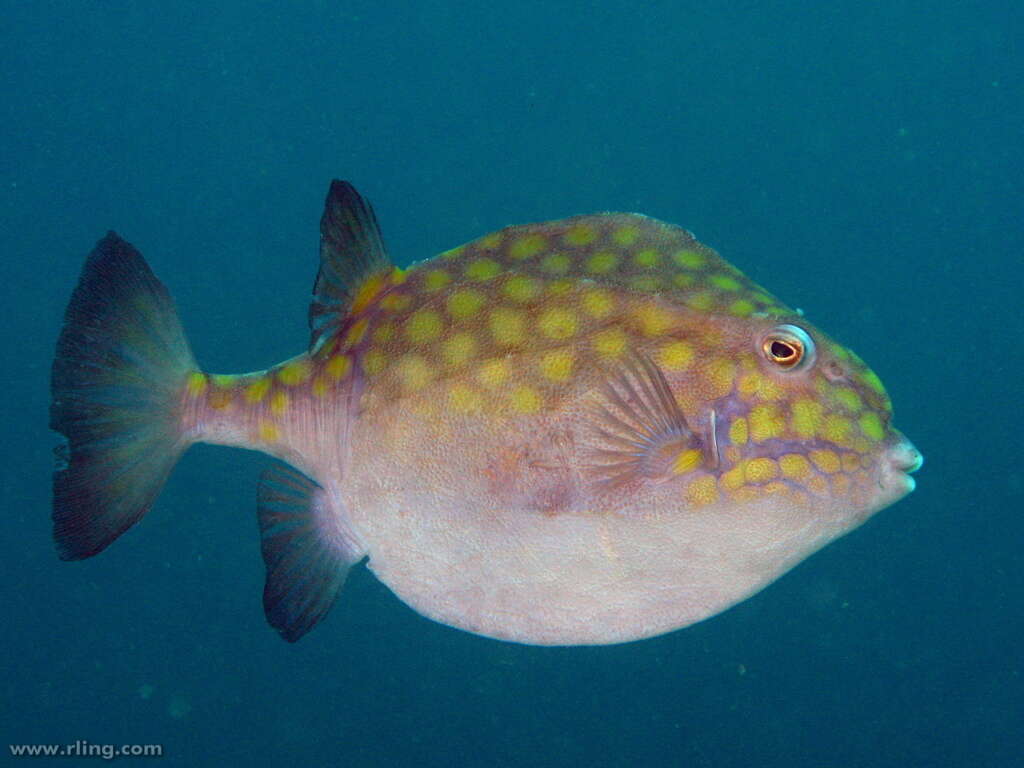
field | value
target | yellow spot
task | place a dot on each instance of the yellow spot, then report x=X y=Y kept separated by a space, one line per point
x=872 y=380
x=383 y=333
x=776 y=487
x=645 y=283
x=851 y=462
x=602 y=262
x=414 y=372
x=849 y=399
x=196 y=384
x=610 y=342
x=519 y=288
x=760 y=470
x=507 y=326
x=688 y=259
x=493 y=372
x=268 y=432
x=648 y=257
x=435 y=280
x=465 y=399
x=746 y=493
x=840 y=484
x=719 y=375
x=732 y=479
x=826 y=461
x=598 y=303
x=560 y=287
x=395 y=302
x=871 y=426
x=794 y=466
x=806 y=418
x=527 y=245
x=483 y=269
x=556 y=263
x=374 y=361
x=675 y=356
x=557 y=364
x=626 y=236
x=580 y=234
x=654 y=320
x=338 y=367
x=279 y=402
x=451 y=253
x=761 y=386
x=701 y=302
x=687 y=461
x=724 y=282
x=738 y=431
x=836 y=429
x=817 y=485
x=319 y=386
x=525 y=399
x=356 y=332
x=368 y=291
x=557 y=323
x=702 y=491
x=765 y=423
x=294 y=373
x=741 y=308
x=491 y=241
x=423 y=326
x=838 y=351
x=399 y=275
x=465 y=303
x=458 y=348
x=224 y=380
x=256 y=391
x=219 y=398
x=682 y=280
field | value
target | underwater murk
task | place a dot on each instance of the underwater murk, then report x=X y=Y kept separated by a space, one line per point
x=582 y=431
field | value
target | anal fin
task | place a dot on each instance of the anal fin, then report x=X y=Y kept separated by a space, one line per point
x=308 y=549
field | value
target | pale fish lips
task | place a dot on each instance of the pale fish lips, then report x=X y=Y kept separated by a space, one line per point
x=903 y=459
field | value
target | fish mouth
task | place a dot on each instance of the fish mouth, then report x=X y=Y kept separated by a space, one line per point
x=904 y=459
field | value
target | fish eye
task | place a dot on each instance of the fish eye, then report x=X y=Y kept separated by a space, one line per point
x=788 y=347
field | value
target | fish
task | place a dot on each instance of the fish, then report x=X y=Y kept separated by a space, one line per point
x=578 y=432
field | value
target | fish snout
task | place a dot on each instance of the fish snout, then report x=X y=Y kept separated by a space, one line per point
x=903 y=456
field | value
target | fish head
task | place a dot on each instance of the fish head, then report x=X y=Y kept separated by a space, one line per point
x=805 y=416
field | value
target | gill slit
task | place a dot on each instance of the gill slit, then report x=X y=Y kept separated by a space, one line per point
x=713 y=450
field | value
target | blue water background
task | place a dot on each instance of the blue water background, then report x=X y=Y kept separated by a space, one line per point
x=861 y=160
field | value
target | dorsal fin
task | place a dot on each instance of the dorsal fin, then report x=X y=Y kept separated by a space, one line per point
x=351 y=251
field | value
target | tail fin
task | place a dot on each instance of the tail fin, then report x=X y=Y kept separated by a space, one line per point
x=121 y=366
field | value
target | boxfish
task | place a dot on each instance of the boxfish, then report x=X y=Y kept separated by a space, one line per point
x=583 y=431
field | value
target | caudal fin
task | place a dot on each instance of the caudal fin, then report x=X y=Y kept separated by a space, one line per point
x=121 y=365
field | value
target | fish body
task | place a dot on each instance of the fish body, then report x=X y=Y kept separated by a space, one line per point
x=583 y=431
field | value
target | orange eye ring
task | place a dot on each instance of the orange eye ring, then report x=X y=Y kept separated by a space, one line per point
x=788 y=347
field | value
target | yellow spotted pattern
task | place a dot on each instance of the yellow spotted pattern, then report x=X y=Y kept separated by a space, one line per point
x=519 y=321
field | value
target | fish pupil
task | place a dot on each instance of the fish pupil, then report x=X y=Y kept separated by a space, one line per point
x=782 y=351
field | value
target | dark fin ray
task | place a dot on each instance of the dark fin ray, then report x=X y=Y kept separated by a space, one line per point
x=307 y=549
x=639 y=423
x=121 y=363
x=351 y=250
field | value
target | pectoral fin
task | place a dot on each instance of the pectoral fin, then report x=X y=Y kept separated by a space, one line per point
x=643 y=433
